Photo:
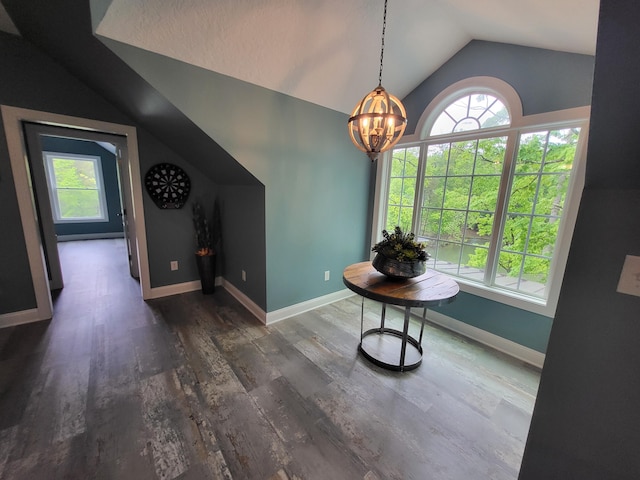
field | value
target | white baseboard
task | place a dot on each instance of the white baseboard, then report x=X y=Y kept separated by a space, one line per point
x=19 y=318
x=88 y=236
x=290 y=311
x=298 y=308
x=513 y=349
x=178 y=288
x=245 y=301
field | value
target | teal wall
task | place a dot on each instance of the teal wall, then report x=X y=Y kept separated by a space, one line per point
x=545 y=81
x=316 y=184
x=110 y=179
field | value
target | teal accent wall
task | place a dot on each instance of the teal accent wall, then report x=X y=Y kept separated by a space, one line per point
x=545 y=81
x=515 y=324
x=316 y=183
x=111 y=185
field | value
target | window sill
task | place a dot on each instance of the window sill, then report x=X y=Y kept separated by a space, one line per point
x=513 y=299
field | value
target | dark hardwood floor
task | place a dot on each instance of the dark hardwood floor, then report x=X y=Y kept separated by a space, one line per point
x=194 y=387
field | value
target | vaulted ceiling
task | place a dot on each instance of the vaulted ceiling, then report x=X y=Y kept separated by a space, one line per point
x=328 y=51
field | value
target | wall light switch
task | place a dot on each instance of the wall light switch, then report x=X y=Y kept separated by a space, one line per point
x=174 y=265
x=326 y=276
x=630 y=277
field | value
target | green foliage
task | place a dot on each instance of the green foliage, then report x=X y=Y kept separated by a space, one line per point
x=460 y=195
x=76 y=188
x=400 y=246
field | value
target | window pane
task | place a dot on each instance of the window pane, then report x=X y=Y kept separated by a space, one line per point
x=490 y=156
x=543 y=234
x=437 y=158
x=561 y=150
x=536 y=270
x=531 y=152
x=462 y=158
x=478 y=257
x=516 y=229
x=430 y=223
x=457 y=192
x=79 y=204
x=452 y=225
x=433 y=192
x=402 y=187
x=484 y=193
x=471 y=112
x=76 y=187
x=523 y=194
x=552 y=194
x=71 y=173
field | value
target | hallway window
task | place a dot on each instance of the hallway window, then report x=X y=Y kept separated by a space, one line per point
x=488 y=191
x=76 y=188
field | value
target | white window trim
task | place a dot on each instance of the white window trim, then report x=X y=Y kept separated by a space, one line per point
x=559 y=118
x=55 y=207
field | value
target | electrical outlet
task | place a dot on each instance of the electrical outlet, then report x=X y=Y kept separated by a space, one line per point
x=244 y=276
x=174 y=265
x=327 y=274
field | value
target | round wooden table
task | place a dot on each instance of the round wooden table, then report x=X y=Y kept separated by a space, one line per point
x=387 y=347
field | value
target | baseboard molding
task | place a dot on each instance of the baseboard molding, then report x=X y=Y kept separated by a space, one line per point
x=298 y=308
x=89 y=236
x=178 y=288
x=19 y=318
x=249 y=304
x=513 y=349
x=272 y=317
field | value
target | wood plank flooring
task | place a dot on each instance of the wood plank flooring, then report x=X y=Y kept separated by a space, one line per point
x=194 y=387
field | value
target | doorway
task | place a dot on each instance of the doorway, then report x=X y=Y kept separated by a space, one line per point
x=78 y=181
x=13 y=119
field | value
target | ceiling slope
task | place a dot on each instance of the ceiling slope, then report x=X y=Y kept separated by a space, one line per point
x=62 y=29
x=327 y=52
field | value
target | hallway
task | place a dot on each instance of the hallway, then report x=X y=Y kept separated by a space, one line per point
x=194 y=387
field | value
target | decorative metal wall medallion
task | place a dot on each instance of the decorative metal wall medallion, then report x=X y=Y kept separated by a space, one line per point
x=168 y=185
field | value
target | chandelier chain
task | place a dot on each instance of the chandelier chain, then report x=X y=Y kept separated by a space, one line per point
x=384 y=26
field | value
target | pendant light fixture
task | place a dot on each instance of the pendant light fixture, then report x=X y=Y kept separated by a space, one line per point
x=379 y=119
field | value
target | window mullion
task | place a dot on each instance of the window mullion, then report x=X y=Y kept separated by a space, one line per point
x=419 y=193
x=501 y=208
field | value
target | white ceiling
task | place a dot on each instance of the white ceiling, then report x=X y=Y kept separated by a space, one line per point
x=328 y=51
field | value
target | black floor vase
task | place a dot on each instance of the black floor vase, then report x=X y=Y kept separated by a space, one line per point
x=207 y=271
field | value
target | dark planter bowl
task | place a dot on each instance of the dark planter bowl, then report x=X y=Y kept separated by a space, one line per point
x=398 y=270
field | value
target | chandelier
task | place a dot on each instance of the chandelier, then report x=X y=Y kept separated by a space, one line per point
x=379 y=119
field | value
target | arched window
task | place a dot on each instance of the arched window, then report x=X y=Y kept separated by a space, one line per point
x=473 y=111
x=487 y=190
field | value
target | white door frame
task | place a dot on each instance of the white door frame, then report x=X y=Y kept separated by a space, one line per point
x=13 y=118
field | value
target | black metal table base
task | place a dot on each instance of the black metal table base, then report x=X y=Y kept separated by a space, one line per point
x=383 y=349
x=390 y=348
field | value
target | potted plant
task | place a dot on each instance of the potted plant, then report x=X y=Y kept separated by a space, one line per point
x=207 y=236
x=399 y=255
